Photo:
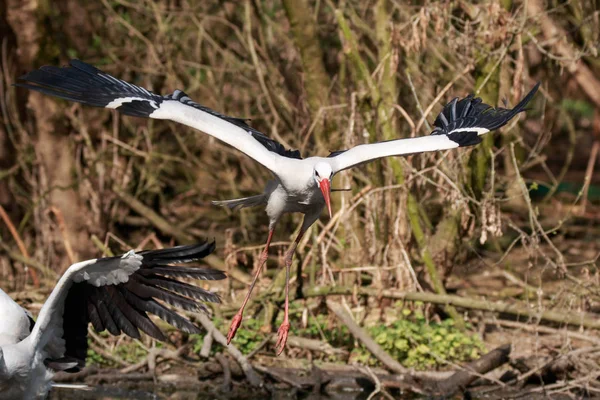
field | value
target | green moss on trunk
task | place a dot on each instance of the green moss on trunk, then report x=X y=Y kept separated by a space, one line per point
x=316 y=80
x=434 y=276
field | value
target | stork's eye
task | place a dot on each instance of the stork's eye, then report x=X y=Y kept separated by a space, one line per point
x=317 y=174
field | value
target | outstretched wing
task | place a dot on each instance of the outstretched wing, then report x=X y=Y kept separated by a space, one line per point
x=460 y=124
x=83 y=83
x=117 y=294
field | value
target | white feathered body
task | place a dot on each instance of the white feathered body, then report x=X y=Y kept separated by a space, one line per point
x=14 y=321
x=293 y=190
x=29 y=379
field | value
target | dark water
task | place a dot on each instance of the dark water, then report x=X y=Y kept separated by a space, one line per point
x=209 y=392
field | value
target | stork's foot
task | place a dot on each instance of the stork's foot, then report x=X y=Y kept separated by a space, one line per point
x=282 y=336
x=235 y=324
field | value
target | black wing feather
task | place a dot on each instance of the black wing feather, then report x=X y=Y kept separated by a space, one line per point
x=86 y=84
x=103 y=312
x=206 y=274
x=94 y=316
x=143 y=291
x=142 y=321
x=121 y=311
x=471 y=112
x=153 y=307
x=182 y=288
x=177 y=254
x=124 y=307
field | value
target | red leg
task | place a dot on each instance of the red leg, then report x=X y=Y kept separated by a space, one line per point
x=282 y=332
x=237 y=319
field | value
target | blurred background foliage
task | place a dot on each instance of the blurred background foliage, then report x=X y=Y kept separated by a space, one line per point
x=317 y=75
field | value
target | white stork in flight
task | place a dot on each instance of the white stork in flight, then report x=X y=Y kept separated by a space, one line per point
x=298 y=185
x=114 y=294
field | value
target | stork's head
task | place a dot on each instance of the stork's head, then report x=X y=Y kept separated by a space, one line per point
x=323 y=175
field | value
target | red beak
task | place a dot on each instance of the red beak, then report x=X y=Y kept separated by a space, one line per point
x=325 y=186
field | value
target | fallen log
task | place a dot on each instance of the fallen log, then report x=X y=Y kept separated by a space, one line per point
x=570 y=317
x=312 y=345
x=338 y=380
x=473 y=370
x=254 y=379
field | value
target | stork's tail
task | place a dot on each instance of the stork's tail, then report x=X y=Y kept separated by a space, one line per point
x=244 y=202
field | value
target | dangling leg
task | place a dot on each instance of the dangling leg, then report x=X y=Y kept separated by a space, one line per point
x=282 y=332
x=237 y=319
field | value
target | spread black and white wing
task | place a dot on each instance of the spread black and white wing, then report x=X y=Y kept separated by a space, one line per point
x=116 y=294
x=461 y=123
x=83 y=83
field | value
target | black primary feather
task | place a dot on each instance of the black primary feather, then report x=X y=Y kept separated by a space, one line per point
x=105 y=316
x=181 y=288
x=471 y=112
x=142 y=321
x=177 y=254
x=66 y=364
x=86 y=84
x=83 y=83
x=122 y=312
x=94 y=316
x=153 y=307
x=206 y=274
x=124 y=307
x=336 y=153
x=144 y=291
x=465 y=138
x=31 y=322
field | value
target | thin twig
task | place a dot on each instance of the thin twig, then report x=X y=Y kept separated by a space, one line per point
x=439 y=96
x=226 y=387
x=251 y=375
x=20 y=244
x=414 y=92
x=589 y=171
x=62 y=227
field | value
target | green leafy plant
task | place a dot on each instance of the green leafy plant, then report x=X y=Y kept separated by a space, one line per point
x=94 y=358
x=249 y=336
x=197 y=342
x=246 y=339
x=320 y=325
x=420 y=344
x=130 y=351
